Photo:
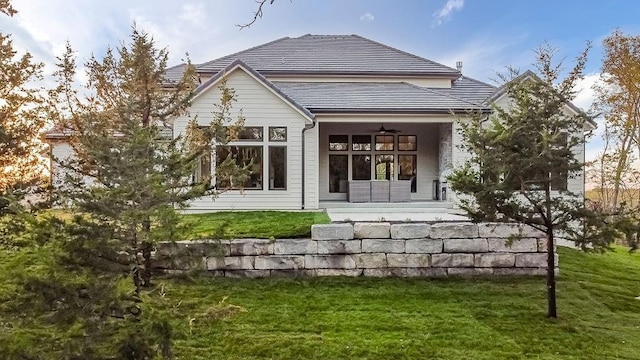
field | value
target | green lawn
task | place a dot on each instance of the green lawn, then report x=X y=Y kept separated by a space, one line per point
x=366 y=318
x=363 y=318
x=243 y=224
x=255 y=224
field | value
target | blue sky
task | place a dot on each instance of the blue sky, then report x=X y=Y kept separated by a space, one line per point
x=487 y=35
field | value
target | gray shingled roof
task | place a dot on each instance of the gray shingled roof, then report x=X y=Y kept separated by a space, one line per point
x=372 y=97
x=331 y=54
x=470 y=90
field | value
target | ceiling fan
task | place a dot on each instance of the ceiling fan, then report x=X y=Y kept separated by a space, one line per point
x=383 y=130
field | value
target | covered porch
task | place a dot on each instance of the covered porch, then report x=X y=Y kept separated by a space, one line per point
x=384 y=162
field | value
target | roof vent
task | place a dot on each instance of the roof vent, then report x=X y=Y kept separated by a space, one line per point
x=459 y=65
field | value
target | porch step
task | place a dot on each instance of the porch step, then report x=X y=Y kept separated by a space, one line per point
x=434 y=211
x=378 y=206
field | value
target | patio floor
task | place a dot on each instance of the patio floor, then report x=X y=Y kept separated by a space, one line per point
x=427 y=211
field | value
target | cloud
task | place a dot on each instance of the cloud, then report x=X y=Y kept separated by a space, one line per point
x=367 y=17
x=586 y=93
x=445 y=13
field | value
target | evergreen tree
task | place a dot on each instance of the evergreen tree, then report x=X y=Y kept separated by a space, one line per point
x=522 y=156
x=123 y=186
x=20 y=120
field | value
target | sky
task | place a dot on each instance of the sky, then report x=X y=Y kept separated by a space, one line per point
x=486 y=35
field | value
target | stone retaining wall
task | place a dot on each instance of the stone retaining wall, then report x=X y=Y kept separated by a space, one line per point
x=369 y=249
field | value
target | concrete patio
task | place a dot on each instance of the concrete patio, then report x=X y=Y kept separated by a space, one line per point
x=426 y=211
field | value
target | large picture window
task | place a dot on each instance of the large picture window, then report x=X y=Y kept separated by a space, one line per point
x=242 y=156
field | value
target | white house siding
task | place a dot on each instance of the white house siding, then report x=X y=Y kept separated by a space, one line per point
x=60 y=151
x=574 y=184
x=427 y=159
x=260 y=107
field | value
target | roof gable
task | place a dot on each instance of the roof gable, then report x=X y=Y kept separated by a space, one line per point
x=503 y=90
x=240 y=65
x=331 y=54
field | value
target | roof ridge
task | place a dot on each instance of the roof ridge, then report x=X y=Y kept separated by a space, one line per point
x=243 y=51
x=434 y=91
x=405 y=53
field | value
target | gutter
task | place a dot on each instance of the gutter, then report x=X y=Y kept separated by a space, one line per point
x=306 y=127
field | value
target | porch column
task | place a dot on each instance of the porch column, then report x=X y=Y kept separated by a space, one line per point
x=445 y=154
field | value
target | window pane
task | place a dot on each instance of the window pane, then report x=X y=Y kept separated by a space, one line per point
x=338 y=172
x=558 y=180
x=277 y=167
x=407 y=169
x=250 y=133
x=277 y=133
x=407 y=143
x=384 y=142
x=361 y=142
x=384 y=167
x=203 y=169
x=338 y=142
x=361 y=167
x=249 y=157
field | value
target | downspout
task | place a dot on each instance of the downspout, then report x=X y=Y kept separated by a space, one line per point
x=306 y=127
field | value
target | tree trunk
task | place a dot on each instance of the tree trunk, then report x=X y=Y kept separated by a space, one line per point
x=551 y=276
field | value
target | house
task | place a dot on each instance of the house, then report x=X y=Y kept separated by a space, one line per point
x=337 y=118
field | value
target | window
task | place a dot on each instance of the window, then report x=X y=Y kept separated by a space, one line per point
x=203 y=169
x=277 y=167
x=242 y=156
x=536 y=181
x=361 y=142
x=407 y=169
x=250 y=133
x=384 y=142
x=558 y=180
x=361 y=167
x=407 y=143
x=384 y=167
x=338 y=172
x=338 y=142
x=277 y=133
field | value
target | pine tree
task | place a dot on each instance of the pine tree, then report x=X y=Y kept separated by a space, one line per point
x=124 y=186
x=20 y=120
x=522 y=156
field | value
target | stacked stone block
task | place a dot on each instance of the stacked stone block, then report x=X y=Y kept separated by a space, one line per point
x=370 y=249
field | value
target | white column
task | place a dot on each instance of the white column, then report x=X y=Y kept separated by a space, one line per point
x=445 y=154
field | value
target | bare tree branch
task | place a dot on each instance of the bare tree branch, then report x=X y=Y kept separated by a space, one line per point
x=256 y=15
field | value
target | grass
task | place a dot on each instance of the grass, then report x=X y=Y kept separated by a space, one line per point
x=243 y=224
x=395 y=318
x=255 y=224
x=365 y=318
